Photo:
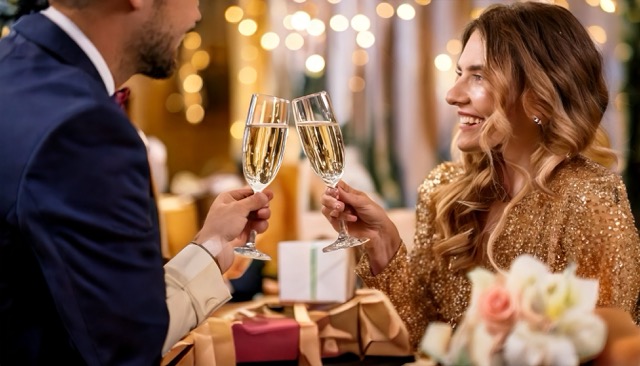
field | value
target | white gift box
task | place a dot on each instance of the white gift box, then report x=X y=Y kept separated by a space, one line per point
x=306 y=274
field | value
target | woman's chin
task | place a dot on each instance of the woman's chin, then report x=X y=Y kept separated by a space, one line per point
x=469 y=146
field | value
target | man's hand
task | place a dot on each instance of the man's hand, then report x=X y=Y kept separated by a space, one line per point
x=231 y=217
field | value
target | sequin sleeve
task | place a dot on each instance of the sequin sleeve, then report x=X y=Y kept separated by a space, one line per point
x=406 y=279
x=600 y=235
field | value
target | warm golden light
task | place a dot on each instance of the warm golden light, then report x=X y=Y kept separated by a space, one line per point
x=406 y=11
x=237 y=129
x=365 y=39
x=174 y=103
x=255 y=8
x=608 y=6
x=192 y=83
x=360 y=23
x=247 y=27
x=316 y=27
x=333 y=1
x=192 y=41
x=562 y=3
x=185 y=70
x=423 y=2
x=314 y=64
x=233 y=14
x=360 y=57
x=294 y=41
x=593 y=3
x=200 y=59
x=249 y=52
x=247 y=75
x=192 y=98
x=623 y=52
x=300 y=20
x=269 y=41
x=443 y=62
x=454 y=46
x=384 y=10
x=475 y=13
x=339 y=23
x=356 y=84
x=286 y=22
x=195 y=114
x=5 y=31
x=598 y=34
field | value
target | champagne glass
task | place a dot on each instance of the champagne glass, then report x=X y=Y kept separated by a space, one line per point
x=265 y=136
x=321 y=140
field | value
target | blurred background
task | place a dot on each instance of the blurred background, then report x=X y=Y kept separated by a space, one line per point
x=387 y=66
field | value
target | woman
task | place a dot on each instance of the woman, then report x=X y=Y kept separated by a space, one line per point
x=530 y=96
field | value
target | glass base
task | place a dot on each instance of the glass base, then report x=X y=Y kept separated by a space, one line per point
x=344 y=242
x=252 y=252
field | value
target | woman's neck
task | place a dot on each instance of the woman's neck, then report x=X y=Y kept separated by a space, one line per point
x=517 y=160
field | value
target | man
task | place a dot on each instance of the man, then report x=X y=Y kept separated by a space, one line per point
x=81 y=275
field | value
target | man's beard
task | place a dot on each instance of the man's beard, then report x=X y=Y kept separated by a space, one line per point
x=156 y=58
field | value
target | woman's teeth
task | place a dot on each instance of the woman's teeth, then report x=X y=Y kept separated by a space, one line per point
x=470 y=121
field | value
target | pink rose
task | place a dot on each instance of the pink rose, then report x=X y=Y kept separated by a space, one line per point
x=498 y=310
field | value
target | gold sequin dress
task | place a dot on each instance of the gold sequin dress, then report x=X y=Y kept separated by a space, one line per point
x=590 y=223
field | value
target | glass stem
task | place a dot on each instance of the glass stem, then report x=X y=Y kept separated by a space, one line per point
x=343 y=230
x=251 y=243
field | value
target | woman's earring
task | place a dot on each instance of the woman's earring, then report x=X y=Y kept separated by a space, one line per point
x=537 y=120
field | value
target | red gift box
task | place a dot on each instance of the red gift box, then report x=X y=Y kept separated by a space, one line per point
x=259 y=339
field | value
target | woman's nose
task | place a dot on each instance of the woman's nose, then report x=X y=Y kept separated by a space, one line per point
x=455 y=95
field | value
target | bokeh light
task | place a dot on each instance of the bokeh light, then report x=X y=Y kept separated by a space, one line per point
x=233 y=14
x=269 y=41
x=247 y=27
x=294 y=41
x=406 y=12
x=385 y=10
x=339 y=23
x=443 y=62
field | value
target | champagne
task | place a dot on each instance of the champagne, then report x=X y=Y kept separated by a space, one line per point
x=262 y=153
x=322 y=143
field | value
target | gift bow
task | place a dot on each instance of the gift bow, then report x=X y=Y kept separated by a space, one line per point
x=329 y=335
x=309 y=346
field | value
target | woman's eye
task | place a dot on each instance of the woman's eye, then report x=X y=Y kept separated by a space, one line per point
x=477 y=77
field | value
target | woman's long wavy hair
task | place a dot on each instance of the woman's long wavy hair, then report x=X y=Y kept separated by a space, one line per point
x=538 y=57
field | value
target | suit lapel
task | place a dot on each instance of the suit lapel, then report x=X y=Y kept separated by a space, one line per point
x=40 y=30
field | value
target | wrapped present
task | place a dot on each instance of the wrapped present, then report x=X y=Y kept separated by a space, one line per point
x=259 y=339
x=366 y=325
x=308 y=275
x=268 y=330
x=262 y=334
x=210 y=344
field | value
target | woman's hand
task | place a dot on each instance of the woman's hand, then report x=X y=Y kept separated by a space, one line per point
x=623 y=339
x=365 y=219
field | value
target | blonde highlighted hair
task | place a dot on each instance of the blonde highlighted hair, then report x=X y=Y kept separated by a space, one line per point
x=539 y=57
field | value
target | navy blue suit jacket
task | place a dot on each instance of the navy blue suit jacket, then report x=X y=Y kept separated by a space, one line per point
x=81 y=276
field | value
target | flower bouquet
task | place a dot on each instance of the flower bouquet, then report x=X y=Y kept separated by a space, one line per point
x=527 y=316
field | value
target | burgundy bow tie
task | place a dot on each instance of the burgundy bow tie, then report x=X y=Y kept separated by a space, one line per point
x=121 y=97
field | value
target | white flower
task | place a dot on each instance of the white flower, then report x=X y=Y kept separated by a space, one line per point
x=587 y=332
x=435 y=342
x=531 y=348
x=527 y=316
